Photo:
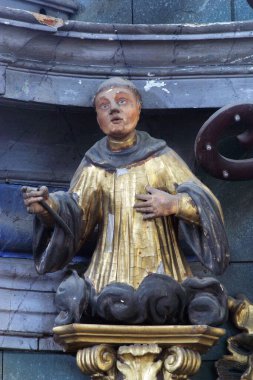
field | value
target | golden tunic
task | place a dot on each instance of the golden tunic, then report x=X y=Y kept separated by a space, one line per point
x=128 y=247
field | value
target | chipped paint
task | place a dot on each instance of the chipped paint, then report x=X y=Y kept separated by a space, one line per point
x=203 y=6
x=26 y=88
x=48 y=20
x=248 y=90
x=153 y=83
x=242 y=58
x=71 y=92
x=121 y=171
x=160 y=269
x=109 y=234
x=166 y=90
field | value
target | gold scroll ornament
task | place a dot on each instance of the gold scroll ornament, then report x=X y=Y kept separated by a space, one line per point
x=239 y=364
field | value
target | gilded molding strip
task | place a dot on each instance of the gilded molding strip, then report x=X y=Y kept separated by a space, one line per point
x=76 y=336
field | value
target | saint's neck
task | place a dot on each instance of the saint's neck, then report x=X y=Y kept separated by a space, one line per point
x=118 y=145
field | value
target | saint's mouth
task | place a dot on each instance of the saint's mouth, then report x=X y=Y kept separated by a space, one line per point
x=116 y=119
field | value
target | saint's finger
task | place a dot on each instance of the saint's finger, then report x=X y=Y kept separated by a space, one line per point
x=143 y=197
x=30 y=201
x=27 y=195
x=142 y=204
x=149 y=216
x=145 y=209
x=28 y=189
x=43 y=190
x=31 y=195
x=150 y=189
x=37 y=193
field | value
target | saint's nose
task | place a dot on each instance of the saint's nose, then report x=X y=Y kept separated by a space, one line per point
x=114 y=107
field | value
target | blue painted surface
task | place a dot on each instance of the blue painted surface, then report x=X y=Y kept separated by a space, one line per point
x=163 y=11
x=16 y=224
x=105 y=11
x=1 y=366
x=206 y=372
x=242 y=11
x=237 y=205
x=180 y=12
x=40 y=366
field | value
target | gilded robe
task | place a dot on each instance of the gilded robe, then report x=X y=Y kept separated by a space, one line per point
x=103 y=192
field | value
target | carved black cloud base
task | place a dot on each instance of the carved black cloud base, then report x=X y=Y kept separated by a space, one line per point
x=158 y=300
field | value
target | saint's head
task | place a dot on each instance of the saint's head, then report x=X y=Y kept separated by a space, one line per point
x=118 y=106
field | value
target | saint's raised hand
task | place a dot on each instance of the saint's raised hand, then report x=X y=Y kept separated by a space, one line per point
x=32 y=196
x=156 y=203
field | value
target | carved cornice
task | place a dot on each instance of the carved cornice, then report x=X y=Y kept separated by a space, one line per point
x=195 y=65
x=76 y=336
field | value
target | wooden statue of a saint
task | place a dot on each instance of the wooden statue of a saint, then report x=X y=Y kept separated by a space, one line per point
x=141 y=196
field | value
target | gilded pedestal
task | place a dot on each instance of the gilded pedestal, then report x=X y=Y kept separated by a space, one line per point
x=137 y=352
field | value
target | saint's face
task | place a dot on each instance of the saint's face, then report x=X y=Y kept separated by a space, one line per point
x=118 y=112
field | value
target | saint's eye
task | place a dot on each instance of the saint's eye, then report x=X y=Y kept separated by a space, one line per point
x=122 y=101
x=104 y=106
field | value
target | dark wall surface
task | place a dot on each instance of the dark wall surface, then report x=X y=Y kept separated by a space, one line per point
x=32 y=366
x=163 y=11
